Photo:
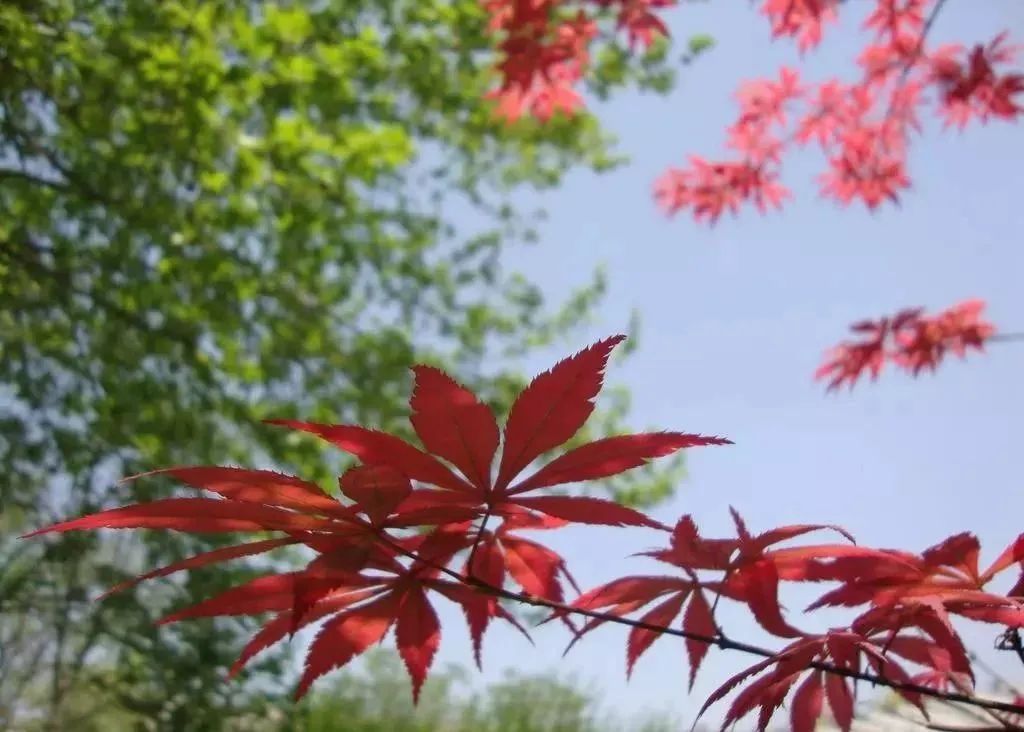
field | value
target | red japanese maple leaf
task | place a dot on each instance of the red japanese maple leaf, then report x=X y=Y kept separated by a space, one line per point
x=456 y=427
x=846 y=362
x=841 y=650
x=862 y=125
x=910 y=340
x=368 y=576
x=958 y=329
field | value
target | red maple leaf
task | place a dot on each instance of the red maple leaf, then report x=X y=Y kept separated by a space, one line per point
x=910 y=340
x=958 y=329
x=840 y=649
x=454 y=426
x=846 y=362
x=368 y=575
x=864 y=126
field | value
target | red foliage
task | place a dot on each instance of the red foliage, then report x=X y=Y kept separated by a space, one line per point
x=369 y=574
x=412 y=522
x=909 y=340
x=863 y=126
x=544 y=48
x=444 y=488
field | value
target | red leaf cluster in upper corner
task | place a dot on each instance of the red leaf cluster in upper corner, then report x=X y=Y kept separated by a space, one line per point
x=368 y=574
x=910 y=340
x=545 y=48
x=863 y=126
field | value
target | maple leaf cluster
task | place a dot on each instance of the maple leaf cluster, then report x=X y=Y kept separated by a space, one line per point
x=908 y=601
x=544 y=47
x=369 y=572
x=863 y=127
x=416 y=524
x=910 y=340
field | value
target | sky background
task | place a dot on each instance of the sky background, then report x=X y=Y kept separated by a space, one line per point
x=735 y=319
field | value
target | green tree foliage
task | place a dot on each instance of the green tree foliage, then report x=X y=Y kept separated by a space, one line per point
x=377 y=699
x=213 y=212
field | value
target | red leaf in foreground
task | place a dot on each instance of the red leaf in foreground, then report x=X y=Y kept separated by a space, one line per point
x=260 y=595
x=418 y=635
x=373 y=447
x=479 y=609
x=284 y=623
x=552 y=408
x=759 y=588
x=630 y=589
x=770 y=690
x=889 y=669
x=534 y=567
x=611 y=456
x=346 y=636
x=732 y=682
x=255 y=486
x=699 y=620
x=268 y=635
x=488 y=566
x=840 y=701
x=201 y=560
x=587 y=510
x=193 y=514
x=377 y=489
x=688 y=549
x=807 y=704
x=1013 y=554
x=640 y=639
x=453 y=424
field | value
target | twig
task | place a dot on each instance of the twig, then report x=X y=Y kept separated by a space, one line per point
x=1006 y=337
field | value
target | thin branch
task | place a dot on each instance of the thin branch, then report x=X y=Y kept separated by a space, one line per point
x=1006 y=337
x=925 y=30
x=476 y=541
x=946 y=728
x=27 y=177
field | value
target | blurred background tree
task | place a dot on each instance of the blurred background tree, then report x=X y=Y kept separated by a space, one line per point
x=211 y=213
x=377 y=699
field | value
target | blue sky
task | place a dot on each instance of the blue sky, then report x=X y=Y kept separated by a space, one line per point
x=734 y=321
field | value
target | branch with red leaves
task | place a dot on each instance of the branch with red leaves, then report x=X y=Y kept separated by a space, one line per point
x=412 y=525
x=909 y=340
x=863 y=126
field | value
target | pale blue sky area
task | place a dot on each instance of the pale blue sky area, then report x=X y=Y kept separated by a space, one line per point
x=734 y=320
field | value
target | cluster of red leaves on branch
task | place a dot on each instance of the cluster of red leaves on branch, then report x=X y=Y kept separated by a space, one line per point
x=544 y=47
x=908 y=602
x=862 y=126
x=413 y=525
x=910 y=339
x=369 y=575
